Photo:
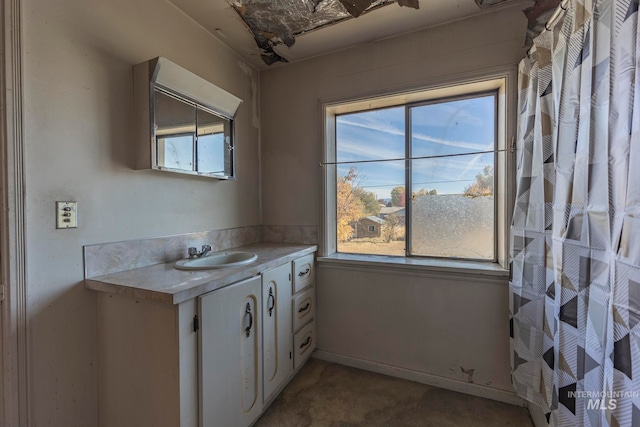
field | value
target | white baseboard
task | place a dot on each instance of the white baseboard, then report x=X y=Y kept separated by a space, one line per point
x=423 y=378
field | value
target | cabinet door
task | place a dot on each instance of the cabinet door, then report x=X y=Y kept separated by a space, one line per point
x=230 y=355
x=276 y=328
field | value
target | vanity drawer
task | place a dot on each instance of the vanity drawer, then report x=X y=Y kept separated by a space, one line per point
x=303 y=272
x=304 y=308
x=304 y=342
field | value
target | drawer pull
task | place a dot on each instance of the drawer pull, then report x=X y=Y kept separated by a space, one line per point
x=247 y=311
x=305 y=342
x=271 y=302
x=303 y=273
x=305 y=308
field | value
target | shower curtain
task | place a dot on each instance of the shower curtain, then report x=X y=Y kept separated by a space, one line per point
x=575 y=237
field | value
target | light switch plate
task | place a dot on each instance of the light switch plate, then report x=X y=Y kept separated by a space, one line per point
x=66 y=214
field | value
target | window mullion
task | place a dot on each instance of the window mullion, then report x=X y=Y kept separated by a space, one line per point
x=194 y=144
x=496 y=175
x=407 y=183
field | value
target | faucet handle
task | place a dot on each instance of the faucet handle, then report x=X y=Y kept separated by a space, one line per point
x=206 y=248
x=192 y=252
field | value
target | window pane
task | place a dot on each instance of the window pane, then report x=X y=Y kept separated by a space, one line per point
x=371 y=135
x=452 y=202
x=453 y=127
x=371 y=208
x=453 y=207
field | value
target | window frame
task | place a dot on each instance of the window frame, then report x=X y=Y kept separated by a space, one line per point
x=501 y=81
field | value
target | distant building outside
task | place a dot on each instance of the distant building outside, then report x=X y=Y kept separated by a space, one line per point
x=370 y=226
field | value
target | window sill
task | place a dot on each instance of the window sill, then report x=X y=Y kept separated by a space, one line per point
x=428 y=267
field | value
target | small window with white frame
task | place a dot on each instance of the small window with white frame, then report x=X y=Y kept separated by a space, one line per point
x=428 y=166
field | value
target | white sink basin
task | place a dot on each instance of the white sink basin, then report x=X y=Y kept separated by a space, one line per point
x=217 y=260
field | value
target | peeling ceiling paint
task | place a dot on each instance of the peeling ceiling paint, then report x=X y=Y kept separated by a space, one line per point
x=537 y=15
x=273 y=23
x=358 y=7
x=276 y=25
x=487 y=3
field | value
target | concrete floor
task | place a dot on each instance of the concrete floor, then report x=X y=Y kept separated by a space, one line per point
x=326 y=394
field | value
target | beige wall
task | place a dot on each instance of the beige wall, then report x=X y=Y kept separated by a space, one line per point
x=431 y=326
x=426 y=324
x=78 y=58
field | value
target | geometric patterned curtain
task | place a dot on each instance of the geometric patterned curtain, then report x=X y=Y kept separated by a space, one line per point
x=575 y=237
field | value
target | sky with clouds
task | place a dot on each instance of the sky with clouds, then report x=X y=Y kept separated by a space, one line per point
x=445 y=128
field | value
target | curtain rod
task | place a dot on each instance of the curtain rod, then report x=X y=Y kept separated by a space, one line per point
x=402 y=159
x=556 y=14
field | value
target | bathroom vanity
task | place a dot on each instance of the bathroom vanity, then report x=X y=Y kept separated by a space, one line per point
x=203 y=348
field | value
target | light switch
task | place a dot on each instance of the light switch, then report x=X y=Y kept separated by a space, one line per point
x=66 y=214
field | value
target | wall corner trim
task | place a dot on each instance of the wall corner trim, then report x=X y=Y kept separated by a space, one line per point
x=14 y=359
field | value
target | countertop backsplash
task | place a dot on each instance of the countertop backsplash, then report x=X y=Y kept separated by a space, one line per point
x=108 y=258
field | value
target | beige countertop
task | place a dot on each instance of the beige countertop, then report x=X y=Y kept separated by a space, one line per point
x=163 y=282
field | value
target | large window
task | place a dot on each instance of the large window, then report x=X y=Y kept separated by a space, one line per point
x=426 y=172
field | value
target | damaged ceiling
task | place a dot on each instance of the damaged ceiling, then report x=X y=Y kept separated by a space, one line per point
x=275 y=23
x=537 y=15
x=265 y=32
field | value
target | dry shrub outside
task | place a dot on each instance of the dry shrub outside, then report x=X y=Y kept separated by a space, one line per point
x=373 y=246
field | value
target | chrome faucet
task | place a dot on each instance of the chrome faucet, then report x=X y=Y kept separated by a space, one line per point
x=193 y=252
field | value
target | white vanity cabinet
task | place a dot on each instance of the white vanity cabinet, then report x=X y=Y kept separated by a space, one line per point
x=216 y=358
x=277 y=353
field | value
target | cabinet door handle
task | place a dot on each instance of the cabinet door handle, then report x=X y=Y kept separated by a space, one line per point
x=302 y=273
x=271 y=302
x=247 y=311
x=305 y=342
x=305 y=308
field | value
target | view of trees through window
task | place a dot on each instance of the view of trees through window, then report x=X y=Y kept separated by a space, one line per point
x=444 y=157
